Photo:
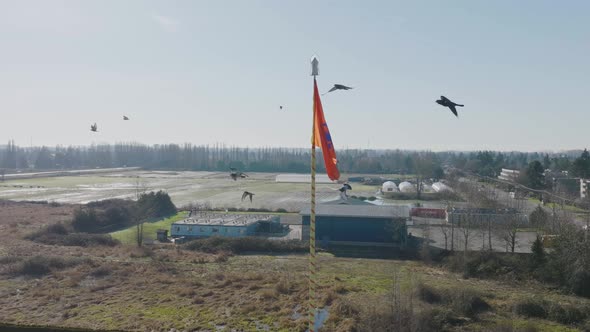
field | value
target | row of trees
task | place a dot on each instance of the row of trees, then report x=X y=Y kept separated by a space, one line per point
x=220 y=157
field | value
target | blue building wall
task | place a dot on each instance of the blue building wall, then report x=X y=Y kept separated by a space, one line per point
x=188 y=230
x=354 y=229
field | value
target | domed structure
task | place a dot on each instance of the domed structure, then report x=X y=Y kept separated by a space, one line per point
x=407 y=187
x=440 y=187
x=389 y=187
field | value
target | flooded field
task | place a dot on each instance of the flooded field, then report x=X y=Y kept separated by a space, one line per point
x=215 y=188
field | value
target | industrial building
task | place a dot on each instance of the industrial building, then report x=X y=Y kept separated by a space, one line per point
x=367 y=225
x=478 y=216
x=207 y=224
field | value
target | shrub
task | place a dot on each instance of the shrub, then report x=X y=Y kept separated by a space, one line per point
x=531 y=308
x=428 y=294
x=567 y=314
x=156 y=204
x=89 y=240
x=580 y=282
x=468 y=302
x=104 y=216
x=102 y=271
x=73 y=239
x=41 y=265
x=217 y=244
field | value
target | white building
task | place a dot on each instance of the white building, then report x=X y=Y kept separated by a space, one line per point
x=584 y=184
x=440 y=187
x=407 y=187
x=509 y=174
x=389 y=187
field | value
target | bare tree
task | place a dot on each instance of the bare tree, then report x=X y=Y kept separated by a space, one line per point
x=466 y=228
x=444 y=229
x=140 y=189
x=509 y=229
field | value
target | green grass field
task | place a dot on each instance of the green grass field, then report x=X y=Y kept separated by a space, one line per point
x=128 y=236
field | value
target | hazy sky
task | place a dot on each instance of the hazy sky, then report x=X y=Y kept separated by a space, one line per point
x=217 y=71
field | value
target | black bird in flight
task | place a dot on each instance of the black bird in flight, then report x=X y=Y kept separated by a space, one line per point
x=235 y=174
x=246 y=194
x=345 y=187
x=446 y=102
x=94 y=127
x=125 y=117
x=281 y=107
x=338 y=87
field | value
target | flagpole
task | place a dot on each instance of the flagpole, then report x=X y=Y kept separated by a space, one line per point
x=312 y=255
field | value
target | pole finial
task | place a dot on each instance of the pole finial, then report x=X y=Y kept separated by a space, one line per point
x=315 y=66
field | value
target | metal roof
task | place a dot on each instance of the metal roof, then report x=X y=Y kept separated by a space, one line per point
x=222 y=219
x=359 y=211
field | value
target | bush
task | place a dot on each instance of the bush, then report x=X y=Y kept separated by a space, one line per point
x=580 y=282
x=428 y=294
x=88 y=240
x=217 y=244
x=42 y=265
x=105 y=216
x=55 y=229
x=531 y=308
x=156 y=204
x=59 y=234
x=467 y=302
x=567 y=314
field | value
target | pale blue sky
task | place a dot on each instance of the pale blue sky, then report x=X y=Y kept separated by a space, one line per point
x=217 y=71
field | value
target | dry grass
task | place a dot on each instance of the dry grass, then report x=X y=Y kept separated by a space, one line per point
x=161 y=287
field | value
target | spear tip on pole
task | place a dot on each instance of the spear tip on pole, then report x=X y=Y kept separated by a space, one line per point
x=315 y=68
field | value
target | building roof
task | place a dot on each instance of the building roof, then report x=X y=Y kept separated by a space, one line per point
x=484 y=211
x=223 y=219
x=349 y=201
x=359 y=211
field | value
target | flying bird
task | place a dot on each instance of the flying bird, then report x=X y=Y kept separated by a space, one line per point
x=235 y=174
x=446 y=102
x=338 y=87
x=246 y=194
x=281 y=107
x=94 y=127
x=345 y=187
x=125 y=117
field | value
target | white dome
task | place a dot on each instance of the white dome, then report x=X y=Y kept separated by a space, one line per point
x=406 y=187
x=389 y=186
x=439 y=186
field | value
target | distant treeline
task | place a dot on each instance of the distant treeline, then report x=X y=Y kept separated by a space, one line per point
x=266 y=159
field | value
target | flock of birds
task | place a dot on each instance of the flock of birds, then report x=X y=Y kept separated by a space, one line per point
x=94 y=127
x=443 y=101
x=235 y=174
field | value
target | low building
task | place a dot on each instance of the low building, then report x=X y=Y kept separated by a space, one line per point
x=220 y=224
x=440 y=187
x=372 y=225
x=407 y=187
x=509 y=174
x=389 y=187
x=478 y=216
x=584 y=185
